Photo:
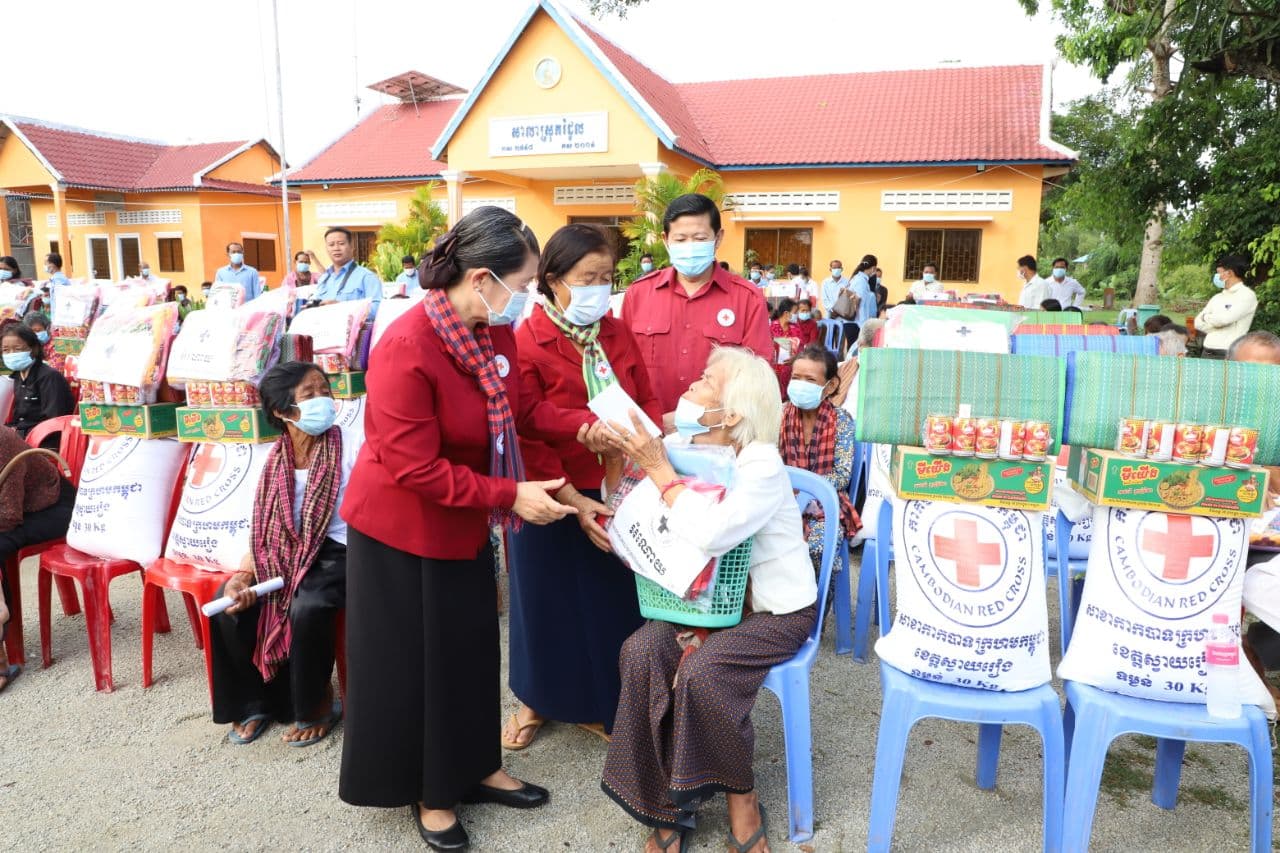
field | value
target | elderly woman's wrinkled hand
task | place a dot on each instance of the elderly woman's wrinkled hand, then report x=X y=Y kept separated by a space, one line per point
x=239 y=589
x=645 y=450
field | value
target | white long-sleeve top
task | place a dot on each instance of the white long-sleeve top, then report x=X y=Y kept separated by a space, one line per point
x=1227 y=316
x=1034 y=291
x=760 y=504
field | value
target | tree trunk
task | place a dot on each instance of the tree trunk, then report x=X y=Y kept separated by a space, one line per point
x=1146 y=292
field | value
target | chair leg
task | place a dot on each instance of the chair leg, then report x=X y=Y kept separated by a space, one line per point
x=162 y=611
x=988 y=754
x=866 y=599
x=193 y=617
x=1261 y=789
x=891 y=752
x=1051 y=733
x=97 y=608
x=1084 y=777
x=843 y=603
x=149 y=594
x=67 y=594
x=1168 y=772
x=44 y=583
x=798 y=739
x=884 y=553
x=14 y=643
x=1068 y=733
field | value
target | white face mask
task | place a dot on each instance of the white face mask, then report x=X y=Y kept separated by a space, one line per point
x=587 y=304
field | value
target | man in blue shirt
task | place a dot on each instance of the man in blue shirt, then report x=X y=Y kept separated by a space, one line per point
x=240 y=273
x=347 y=280
x=53 y=268
x=409 y=277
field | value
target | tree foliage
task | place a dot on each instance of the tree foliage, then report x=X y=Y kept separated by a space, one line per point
x=599 y=8
x=415 y=236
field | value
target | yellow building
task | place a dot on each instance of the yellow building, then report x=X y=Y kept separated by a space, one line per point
x=944 y=165
x=107 y=203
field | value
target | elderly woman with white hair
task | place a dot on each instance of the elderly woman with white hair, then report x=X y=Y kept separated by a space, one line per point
x=683 y=729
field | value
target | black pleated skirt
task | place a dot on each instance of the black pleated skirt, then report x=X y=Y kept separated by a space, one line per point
x=422 y=708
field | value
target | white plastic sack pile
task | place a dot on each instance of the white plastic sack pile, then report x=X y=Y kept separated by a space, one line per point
x=126 y=488
x=1153 y=585
x=971 y=601
x=215 y=517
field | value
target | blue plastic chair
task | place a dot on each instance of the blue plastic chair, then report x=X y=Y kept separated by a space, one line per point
x=790 y=681
x=844 y=583
x=1061 y=556
x=1095 y=717
x=831 y=334
x=873 y=581
x=908 y=700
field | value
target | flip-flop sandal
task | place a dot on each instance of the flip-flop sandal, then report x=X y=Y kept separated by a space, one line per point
x=596 y=729
x=335 y=714
x=681 y=835
x=516 y=745
x=264 y=723
x=10 y=674
x=746 y=846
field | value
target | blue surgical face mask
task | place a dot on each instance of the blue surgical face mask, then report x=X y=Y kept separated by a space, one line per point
x=514 y=308
x=692 y=257
x=316 y=415
x=805 y=395
x=587 y=304
x=1217 y=281
x=929 y=278
x=302 y=266
x=237 y=258
x=804 y=315
x=688 y=418
x=646 y=266
x=42 y=336
x=755 y=275
x=18 y=361
x=836 y=272
x=5 y=275
x=146 y=273
x=1059 y=273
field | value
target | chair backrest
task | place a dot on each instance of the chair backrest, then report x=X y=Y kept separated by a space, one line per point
x=809 y=486
x=862 y=451
x=38 y=433
x=176 y=501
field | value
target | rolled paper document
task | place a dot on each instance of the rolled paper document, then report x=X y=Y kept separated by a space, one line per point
x=213 y=608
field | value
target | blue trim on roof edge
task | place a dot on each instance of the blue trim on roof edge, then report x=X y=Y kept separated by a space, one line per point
x=388 y=180
x=975 y=163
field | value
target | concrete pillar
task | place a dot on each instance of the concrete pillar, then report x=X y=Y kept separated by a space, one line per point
x=453 y=188
x=64 y=233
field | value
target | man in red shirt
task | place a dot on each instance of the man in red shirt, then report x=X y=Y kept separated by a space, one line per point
x=679 y=313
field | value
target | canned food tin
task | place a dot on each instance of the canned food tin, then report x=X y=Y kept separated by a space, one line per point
x=1131 y=439
x=963 y=437
x=1012 y=439
x=1160 y=441
x=1188 y=443
x=1242 y=446
x=1038 y=439
x=987 y=440
x=1214 y=448
x=937 y=435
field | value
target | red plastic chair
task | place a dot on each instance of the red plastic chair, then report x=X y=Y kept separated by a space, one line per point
x=73 y=446
x=95 y=575
x=198 y=587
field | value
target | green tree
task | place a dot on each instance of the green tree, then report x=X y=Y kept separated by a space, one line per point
x=415 y=236
x=652 y=197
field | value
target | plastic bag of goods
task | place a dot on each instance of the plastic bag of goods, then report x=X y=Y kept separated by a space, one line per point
x=392 y=310
x=225 y=295
x=215 y=516
x=73 y=310
x=335 y=332
x=123 y=360
x=125 y=297
x=122 y=503
x=279 y=301
x=960 y=329
x=14 y=299
x=220 y=356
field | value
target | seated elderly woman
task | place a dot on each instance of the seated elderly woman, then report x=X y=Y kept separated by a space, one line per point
x=35 y=506
x=818 y=437
x=683 y=729
x=273 y=658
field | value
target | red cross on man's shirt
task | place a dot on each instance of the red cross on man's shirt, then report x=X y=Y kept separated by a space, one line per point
x=1177 y=546
x=969 y=554
x=208 y=463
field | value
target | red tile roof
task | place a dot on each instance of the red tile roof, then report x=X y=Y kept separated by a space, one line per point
x=83 y=158
x=392 y=142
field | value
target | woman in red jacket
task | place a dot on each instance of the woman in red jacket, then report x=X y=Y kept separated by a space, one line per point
x=441 y=464
x=573 y=603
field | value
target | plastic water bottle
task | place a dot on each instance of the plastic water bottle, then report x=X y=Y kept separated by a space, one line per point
x=1222 y=662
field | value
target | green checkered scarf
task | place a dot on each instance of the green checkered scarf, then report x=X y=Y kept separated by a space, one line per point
x=596 y=370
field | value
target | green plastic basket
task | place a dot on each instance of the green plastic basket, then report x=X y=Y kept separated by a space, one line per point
x=726 y=599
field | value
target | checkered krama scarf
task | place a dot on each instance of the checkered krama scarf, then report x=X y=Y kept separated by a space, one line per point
x=283 y=549
x=819 y=456
x=473 y=352
x=597 y=373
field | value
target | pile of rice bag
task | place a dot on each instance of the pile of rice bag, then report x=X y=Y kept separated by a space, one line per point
x=124 y=355
x=225 y=294
x=339 y=333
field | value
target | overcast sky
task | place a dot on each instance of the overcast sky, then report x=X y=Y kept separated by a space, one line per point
x=149 y=68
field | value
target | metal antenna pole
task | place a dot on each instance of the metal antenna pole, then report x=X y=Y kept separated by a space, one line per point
x=284 y=169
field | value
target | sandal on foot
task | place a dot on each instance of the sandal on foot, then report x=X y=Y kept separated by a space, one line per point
x=335 y=714
x=264 y=723
x=750 y=843
x=681 y=835
x=596 y=729
x=516 y=745
x=9 y=674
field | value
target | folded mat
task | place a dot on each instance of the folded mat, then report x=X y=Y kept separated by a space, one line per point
x=1061 y=345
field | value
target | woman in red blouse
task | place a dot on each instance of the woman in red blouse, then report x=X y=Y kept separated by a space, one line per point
x=441 y=463
x=573 y=604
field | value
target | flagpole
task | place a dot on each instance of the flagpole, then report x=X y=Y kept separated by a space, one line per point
x=284 y=170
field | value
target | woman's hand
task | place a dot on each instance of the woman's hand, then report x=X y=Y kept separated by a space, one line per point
x=535 y=506
x=238 y=588
x=588 y=509
x=595 y=437
x=645 y=450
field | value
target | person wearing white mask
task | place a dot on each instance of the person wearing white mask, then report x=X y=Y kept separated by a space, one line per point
x=1034 y=289
x=239 y=272
x=572 y=604
x=1228 y=316
x=1064 y=288
x=306 y=269
x=679 y=314
x=53 y=269
x=409 y=275
x=928 y=287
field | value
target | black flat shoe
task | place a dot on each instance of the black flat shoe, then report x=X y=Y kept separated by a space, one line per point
x=527 y=796
x=453 y=838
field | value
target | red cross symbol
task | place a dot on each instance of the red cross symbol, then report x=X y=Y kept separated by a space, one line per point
x=969 y=554
x=208 y=463
x=96 y=444
x=1177 y=546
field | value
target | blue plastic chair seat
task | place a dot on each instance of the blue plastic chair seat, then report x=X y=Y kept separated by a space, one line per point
x=1095 y=717
x=908 y=700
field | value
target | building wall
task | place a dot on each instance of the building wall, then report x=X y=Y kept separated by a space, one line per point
x=254 y=166
x=228 y=217
x=19 y=167
x=359 y=206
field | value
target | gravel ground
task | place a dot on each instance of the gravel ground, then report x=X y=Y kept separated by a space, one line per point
x=147 y=770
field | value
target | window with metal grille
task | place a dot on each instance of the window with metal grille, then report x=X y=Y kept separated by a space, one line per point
x=613 y=224
x=100 y=257
x=366 y=242
x=260 y=254
x=170 y=253
x=595 y=194
x=780 y=246
x=957 y=251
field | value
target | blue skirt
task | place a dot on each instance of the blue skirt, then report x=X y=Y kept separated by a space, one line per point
x=572 y=607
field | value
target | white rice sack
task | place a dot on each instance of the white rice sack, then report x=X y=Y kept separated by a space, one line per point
x=6 y=397
x=351 y=421
x=1153 y=585
x=1262 y=591
x=215 y=517
x=879 y=489
x=971 y=600
x=126 y=488
x=392 y=310
x=1074 y=506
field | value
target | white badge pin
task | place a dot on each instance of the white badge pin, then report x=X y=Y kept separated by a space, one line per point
x=504 y=366
x=725 y=317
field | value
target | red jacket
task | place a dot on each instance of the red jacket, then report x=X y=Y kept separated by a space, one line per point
x=551 y=369
x=421 y=482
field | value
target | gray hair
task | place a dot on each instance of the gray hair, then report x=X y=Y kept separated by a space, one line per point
x=750 y=391
x=1257 y=338
x=867 y=337
x=1172 y=341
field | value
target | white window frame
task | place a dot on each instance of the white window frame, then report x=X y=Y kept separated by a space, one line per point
x=119 y=240
x=88 y=253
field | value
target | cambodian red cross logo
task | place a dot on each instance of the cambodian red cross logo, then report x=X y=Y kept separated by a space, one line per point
x=968 y=552
x=207 y=464
x=1177 y=545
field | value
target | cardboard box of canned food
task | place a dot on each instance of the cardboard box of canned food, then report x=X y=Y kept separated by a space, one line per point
x=68 y=346
x=1109 y=478
x=347 y=385
x=158 y=420
x=919 y=475
x=247 y=425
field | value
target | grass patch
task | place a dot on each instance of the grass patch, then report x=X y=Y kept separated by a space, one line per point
x=1126 y=772
x=1213 y=797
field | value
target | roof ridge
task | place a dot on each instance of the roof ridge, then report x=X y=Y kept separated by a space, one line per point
x=71 y=128
x=855 y=73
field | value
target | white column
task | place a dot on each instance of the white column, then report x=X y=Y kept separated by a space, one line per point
x=652 y=170
x=453 y=188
